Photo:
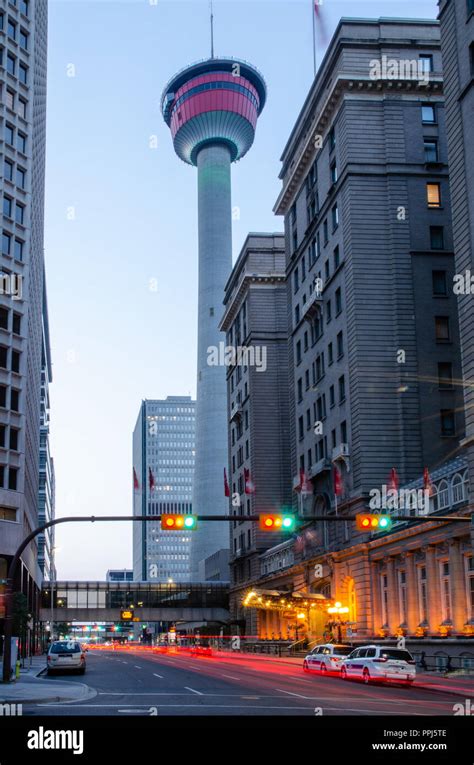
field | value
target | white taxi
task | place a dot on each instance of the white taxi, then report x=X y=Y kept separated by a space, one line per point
x=379 y=663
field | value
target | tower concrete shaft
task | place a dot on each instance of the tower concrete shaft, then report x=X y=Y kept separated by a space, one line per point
x=215 y=264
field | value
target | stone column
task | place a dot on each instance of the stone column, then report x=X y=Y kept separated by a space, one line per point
x=432 y=586
x=457 y=586
x=393 y=616
x=412 y=593
x=376 y=598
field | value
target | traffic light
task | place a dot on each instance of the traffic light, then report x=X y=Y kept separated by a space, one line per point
x=373 y=522
x=172 y=522
x=277 y=522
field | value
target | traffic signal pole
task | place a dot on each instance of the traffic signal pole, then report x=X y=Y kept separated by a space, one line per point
x=13 y=567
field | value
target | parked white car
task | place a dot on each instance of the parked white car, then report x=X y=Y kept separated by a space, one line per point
x=66 y=654
x=379 y=663
x=327 y=658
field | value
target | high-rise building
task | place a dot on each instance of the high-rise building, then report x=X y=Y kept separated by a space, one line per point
x=212 y=109
x=46 y=496
x=23 y=53
x=163 y=465
x=457 y=46
x=256 y=327
x=374 y=350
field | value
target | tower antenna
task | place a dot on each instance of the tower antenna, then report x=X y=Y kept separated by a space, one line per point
x=212 y=29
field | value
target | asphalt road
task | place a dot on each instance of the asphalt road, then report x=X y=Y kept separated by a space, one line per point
x=138 y=683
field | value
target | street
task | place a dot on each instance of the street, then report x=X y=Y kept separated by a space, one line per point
x=136 y=682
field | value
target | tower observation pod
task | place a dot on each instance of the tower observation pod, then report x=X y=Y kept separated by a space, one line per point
x=212 y=108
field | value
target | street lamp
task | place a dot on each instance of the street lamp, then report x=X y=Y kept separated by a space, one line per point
x=338 y=609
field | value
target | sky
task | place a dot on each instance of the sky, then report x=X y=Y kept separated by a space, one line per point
x=121 y=223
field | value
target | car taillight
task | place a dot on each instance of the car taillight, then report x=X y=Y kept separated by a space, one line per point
x=49 y=658
x=335 y=658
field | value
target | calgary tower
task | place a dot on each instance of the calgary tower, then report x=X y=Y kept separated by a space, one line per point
x=212 y=108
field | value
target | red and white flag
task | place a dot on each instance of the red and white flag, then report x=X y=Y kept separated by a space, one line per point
x=427 y=483
x=226 y=484
x=394 y=481
x=151 y=479
x=305 y=485
x=249 y=485
x=136 y=485
x=337 y=479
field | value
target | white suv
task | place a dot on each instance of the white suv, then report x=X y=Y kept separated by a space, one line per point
x=379 y=662
x=66 y=654
x=326 y=659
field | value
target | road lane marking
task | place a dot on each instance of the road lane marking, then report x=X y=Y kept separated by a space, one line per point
x=192 y=689
x=160 y=676
x=232 y=677
x=295 y=694
x=136 y=666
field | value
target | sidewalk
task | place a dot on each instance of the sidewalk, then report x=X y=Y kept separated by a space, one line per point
x=32 y=688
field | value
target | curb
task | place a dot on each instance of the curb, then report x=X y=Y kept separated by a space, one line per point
x=89 y=693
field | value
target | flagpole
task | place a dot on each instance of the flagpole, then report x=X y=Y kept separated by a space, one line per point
x=313 y=16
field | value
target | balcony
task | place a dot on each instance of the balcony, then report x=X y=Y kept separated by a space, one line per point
x=313 y=306
x=319 y=467
x=340 y=452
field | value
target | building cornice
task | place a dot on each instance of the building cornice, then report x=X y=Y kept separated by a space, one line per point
x=246 y=282
x=344 y=85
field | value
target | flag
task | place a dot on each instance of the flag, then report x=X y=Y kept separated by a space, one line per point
x=319 y=20
x=151 y=479
x=136 y=485
x=249 y=487
x=337 y=482
x=427 y=484
x=305 y=486
x=226 y=484
x=394 y=481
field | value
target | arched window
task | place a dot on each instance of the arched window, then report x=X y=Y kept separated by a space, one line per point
x=458 y=485
x=443 y=495
x=352 y=601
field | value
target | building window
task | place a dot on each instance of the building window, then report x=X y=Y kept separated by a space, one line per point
x=11 y=64
x=335 y=217
x=332 y=397
x=344 y=432
x=298 y=352
x=23 y=74
x=457 y=486
x=334 y=172
x=300 y=428
x=297 y=314
x=433 y=195
x=448 y=423
x=437 y=237
x=328 y=311
x=336 y=257
x=19 y=213
x=325 y=232
x=3 y=430
x=440 y=287
x=340 y=345
x=471 y=55
x=332 y=139
x=14 y=400
x=3 y=396
x=428 y=114
x=445 y=591
x=14 y=439
x=23 y=39
x=24 y=7
x=10 y=99
x=8 y=170
x=422 y=595
x=431 y=150
x=9 y=134
x=300 y=389
x=12 y=478
x=21 y=142
x=296 y=281
x=11 y=29
x=22 y=108
x=426 y=61
x=3 y=318
x=330 y=354
x=15 y=361
x=445 y=375
x=338 y=296
x=442 y=330
x=18 y=253
x=470 y=6
x=20 y=177
x=6 y=243
x=7 y=207
x=342 y=389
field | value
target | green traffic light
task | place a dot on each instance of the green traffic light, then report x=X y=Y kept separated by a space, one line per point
x=189 y=522
x=288 y=522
